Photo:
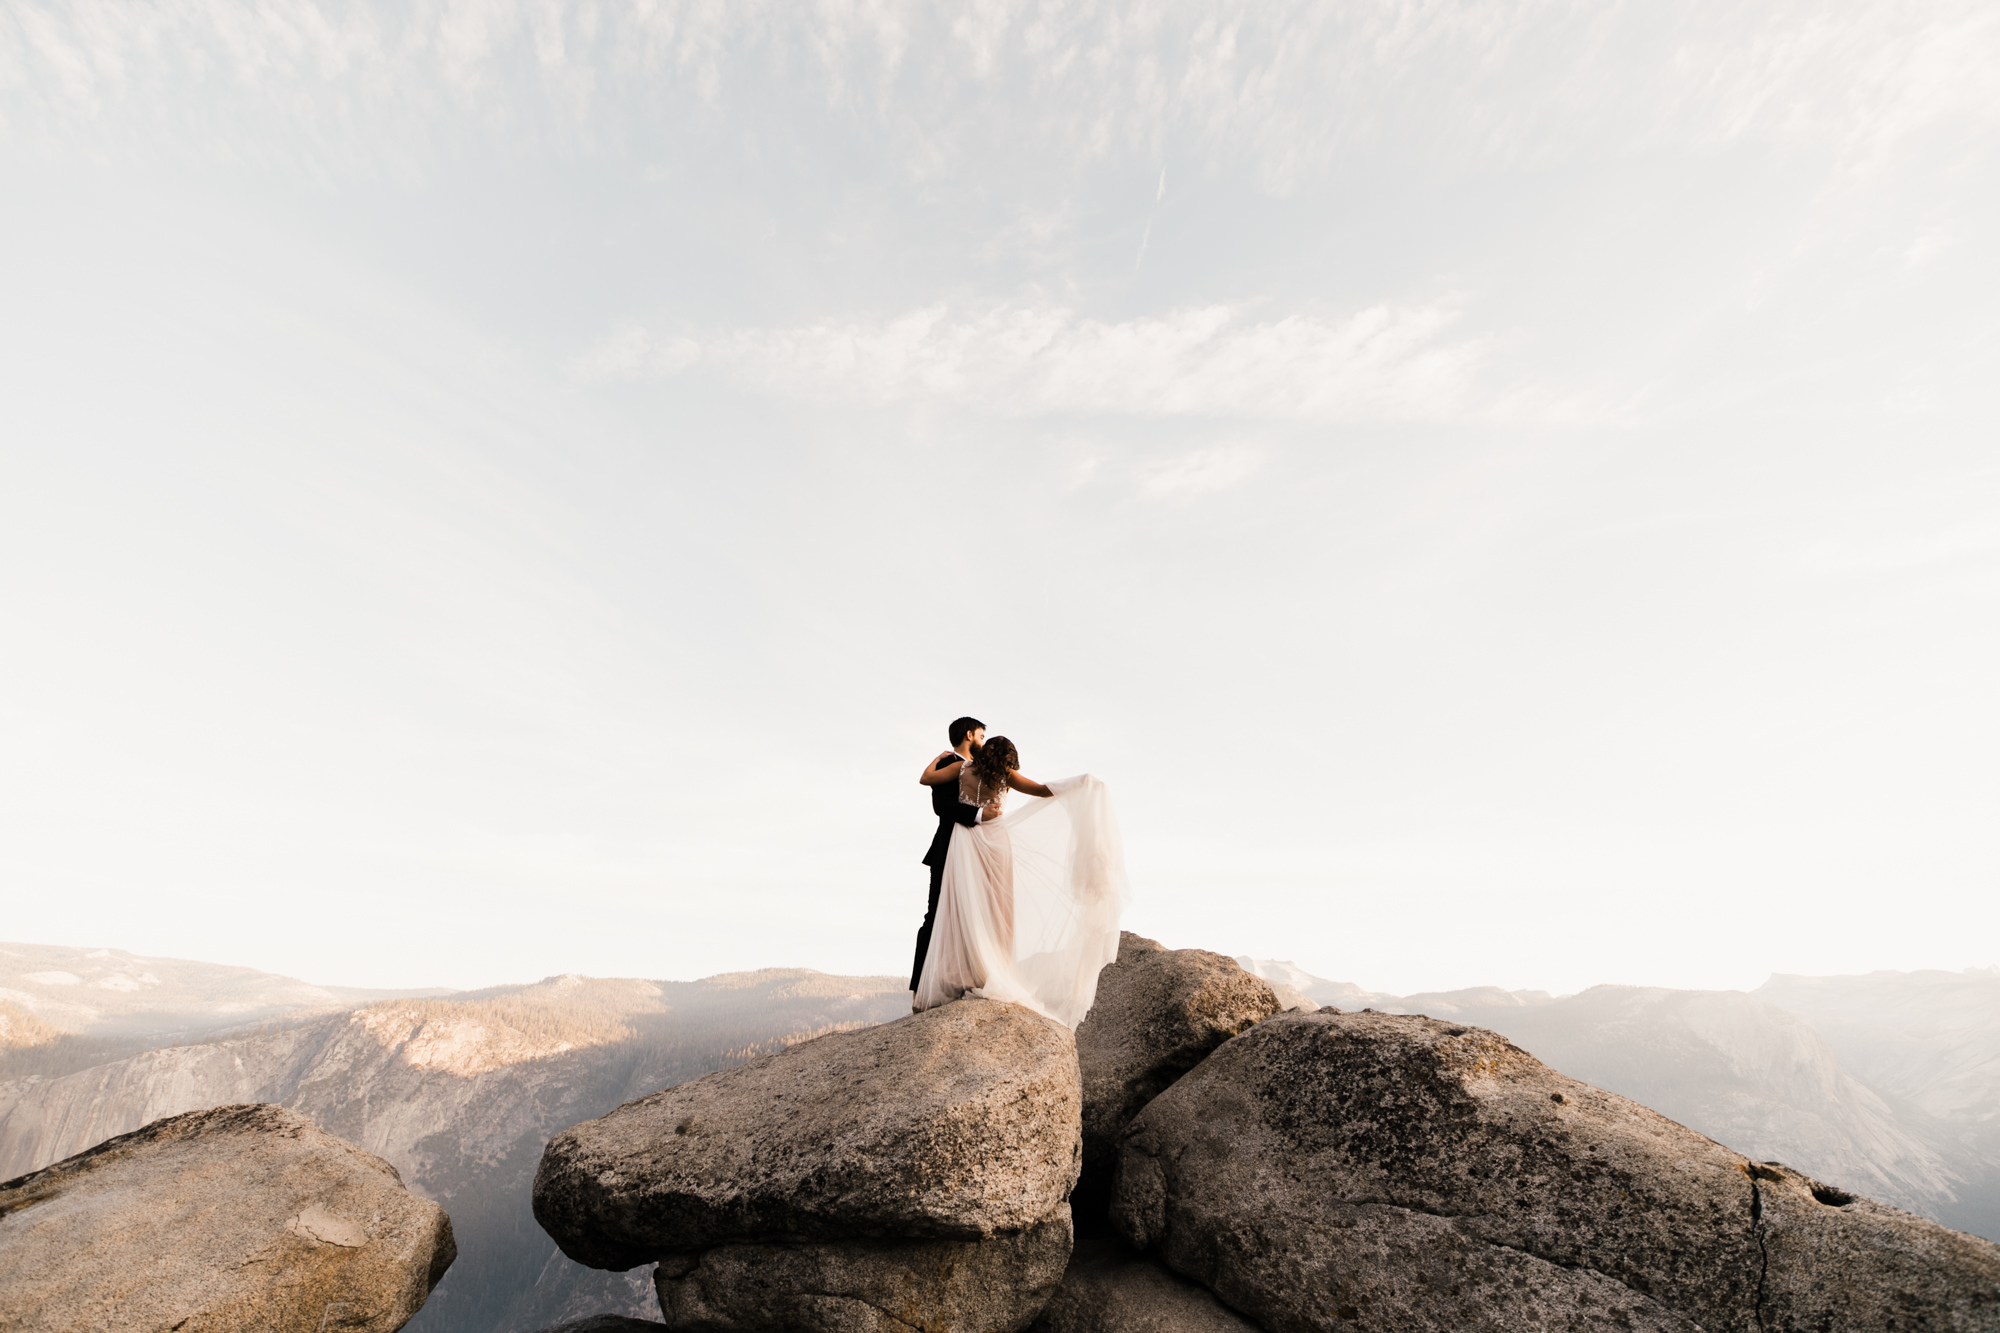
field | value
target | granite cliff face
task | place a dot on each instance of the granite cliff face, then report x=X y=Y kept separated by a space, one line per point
x=1930 y=1039
x=1928 y=1044
x=459 y=1095
x=65 y=1009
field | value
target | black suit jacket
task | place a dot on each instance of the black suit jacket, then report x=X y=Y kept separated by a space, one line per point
x=949 y=810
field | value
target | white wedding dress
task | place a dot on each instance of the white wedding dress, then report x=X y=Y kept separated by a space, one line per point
x=1029 y=909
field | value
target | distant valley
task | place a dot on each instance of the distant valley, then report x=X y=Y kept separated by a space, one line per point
x=460 y=1091
x=1886 y=1084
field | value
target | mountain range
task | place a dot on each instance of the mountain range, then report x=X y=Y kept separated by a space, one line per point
x=1886 y=1084
x=459 y=1092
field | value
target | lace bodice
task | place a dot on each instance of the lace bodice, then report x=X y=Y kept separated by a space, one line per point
x=973 y=792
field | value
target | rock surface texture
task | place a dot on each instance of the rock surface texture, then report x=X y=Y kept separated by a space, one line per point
x=1159 y=1011
x=914 y=1175
x=239 y=1218
x=605 y=1323
x=957 y=1123
x=868 y=1286
x=1369 y=1171
x=1109 y=1289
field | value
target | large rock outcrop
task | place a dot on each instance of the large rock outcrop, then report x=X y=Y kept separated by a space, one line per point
x=1361 y=1171
x=914 y=1174
x=1159 y=1011
x=958 y=1123
x=238 y=1218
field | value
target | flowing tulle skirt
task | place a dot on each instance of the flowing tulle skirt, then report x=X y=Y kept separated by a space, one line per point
x=1030 y=904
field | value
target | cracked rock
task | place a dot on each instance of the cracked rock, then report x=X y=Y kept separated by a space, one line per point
x=1370 y=1171
x=238 y=1218
x=1158 y=1012
x=1837 y=1260
x=868 y=1286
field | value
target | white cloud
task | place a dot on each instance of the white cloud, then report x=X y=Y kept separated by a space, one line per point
x=1384 y=363
x=1284 y=86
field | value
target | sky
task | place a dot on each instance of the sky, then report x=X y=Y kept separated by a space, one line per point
x=1503 y=493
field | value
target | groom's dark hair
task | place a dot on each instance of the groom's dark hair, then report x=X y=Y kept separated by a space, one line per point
x=964 y=727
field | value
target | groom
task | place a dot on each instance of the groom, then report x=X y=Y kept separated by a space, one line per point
x=967 y=734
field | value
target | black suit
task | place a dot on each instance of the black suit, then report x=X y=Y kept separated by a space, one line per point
x=949 y=810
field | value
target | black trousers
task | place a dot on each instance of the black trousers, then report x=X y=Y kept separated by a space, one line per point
x=930 y=919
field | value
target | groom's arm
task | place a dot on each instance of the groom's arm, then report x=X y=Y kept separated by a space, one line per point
x=943 y=771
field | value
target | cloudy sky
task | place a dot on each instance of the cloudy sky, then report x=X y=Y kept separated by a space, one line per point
x=1504 y=493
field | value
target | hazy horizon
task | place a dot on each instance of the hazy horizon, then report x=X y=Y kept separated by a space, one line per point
x=495 y=489
x=412 y=985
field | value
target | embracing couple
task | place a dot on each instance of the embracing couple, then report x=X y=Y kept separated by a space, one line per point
x=1024 y=906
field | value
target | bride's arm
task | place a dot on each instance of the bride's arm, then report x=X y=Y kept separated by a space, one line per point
x=1028 y=785
x=933 y=775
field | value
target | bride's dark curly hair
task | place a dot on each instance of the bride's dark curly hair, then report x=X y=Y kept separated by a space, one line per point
x=992 y=762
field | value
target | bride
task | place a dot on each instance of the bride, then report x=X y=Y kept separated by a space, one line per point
x=1030 y=904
